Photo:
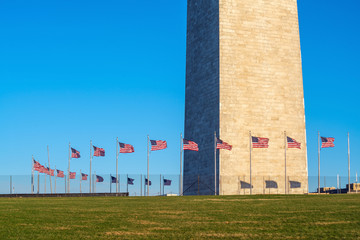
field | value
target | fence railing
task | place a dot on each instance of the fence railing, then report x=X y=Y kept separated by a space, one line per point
x=163 y=184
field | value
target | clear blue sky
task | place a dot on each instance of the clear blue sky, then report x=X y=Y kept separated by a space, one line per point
x=81 y=70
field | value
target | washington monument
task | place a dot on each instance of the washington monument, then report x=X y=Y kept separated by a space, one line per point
x=243 y=79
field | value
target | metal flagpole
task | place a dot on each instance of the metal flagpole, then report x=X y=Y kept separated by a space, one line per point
x=215 y=162
x=250 y=162
x=65 y=182
x=55 y=175
x=38 y=185
x=49 y=168
x=80 y=180
x=318 y=162
x=285 y=140
x=117 y=159
x=11 y=185
x=90 y=168
x=163 y=186
x=348 y=162
x=32 y=174
x=45 y=182
x=68 y=188
x=181 y=159
x=148 y=180
x=110 y=182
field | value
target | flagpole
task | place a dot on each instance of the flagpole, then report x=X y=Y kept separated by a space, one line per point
x=90 y=168
x=163 y=186
x=148 y=166
x=95 y=180
x=110 y=182
x=45 y=181
x=215 y=161
x=68 y=190
x=318 y=162
x=38 y=185
x=348 y=162
x=49 y=168
x=181 y=157
x=285 y=157
x=117 y=159
x=250 y=163
x=32 y=174
x=55 y=175
x=65 y=183
x=80 y=180
x=127 y=183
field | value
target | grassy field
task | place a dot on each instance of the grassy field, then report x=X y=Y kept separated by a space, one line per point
x=196 y=217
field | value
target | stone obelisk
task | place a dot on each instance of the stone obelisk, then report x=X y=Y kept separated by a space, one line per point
x=243 y=73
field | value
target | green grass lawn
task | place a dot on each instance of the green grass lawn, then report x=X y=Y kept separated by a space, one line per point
x=195 y=217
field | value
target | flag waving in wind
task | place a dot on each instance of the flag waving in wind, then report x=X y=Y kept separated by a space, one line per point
x=258 y=142
x=292 y=143
x=113 y=179
x=72 y=175
x=167 y=182
x=327 y=142
x=158 y=145
x=222 y=145
x=190 y=145
x=99 y=178
x=130 y=181
x=60 y=173
x=84 y=176
x=146 y=182
x=99 y=152
x=75 y=153
x=126 y=148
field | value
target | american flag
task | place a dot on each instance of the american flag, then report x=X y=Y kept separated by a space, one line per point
x=158 y=145
x=130 y=181
x=167 y=182
x=52 y=172
x=37 y=166
x=42 y=169
x=292 y=143
x=84 y=176
x=60 y=173
x=47 y=171
x=222 y=145
x=99 y=152
x=258 y=142
x=99 y=178
x=126 y=148
x=72 y=175
x=75 y=153
x=327 y=142
x=146 y=182
x=113 y=179
x=190 y=145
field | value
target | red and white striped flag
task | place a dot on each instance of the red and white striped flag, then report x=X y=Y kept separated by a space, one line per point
x=292 y=143
x=158 y=145
x=72 y=175
x=75 y=153
x=190 y=145
x=258 y=142
x=327 y=142
x=99 y=152
x=37 y=166
x=126 y=148
x=220 y=144
x=84 y=176
x=60 y=173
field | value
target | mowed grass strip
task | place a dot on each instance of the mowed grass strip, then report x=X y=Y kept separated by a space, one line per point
x=193 y=217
